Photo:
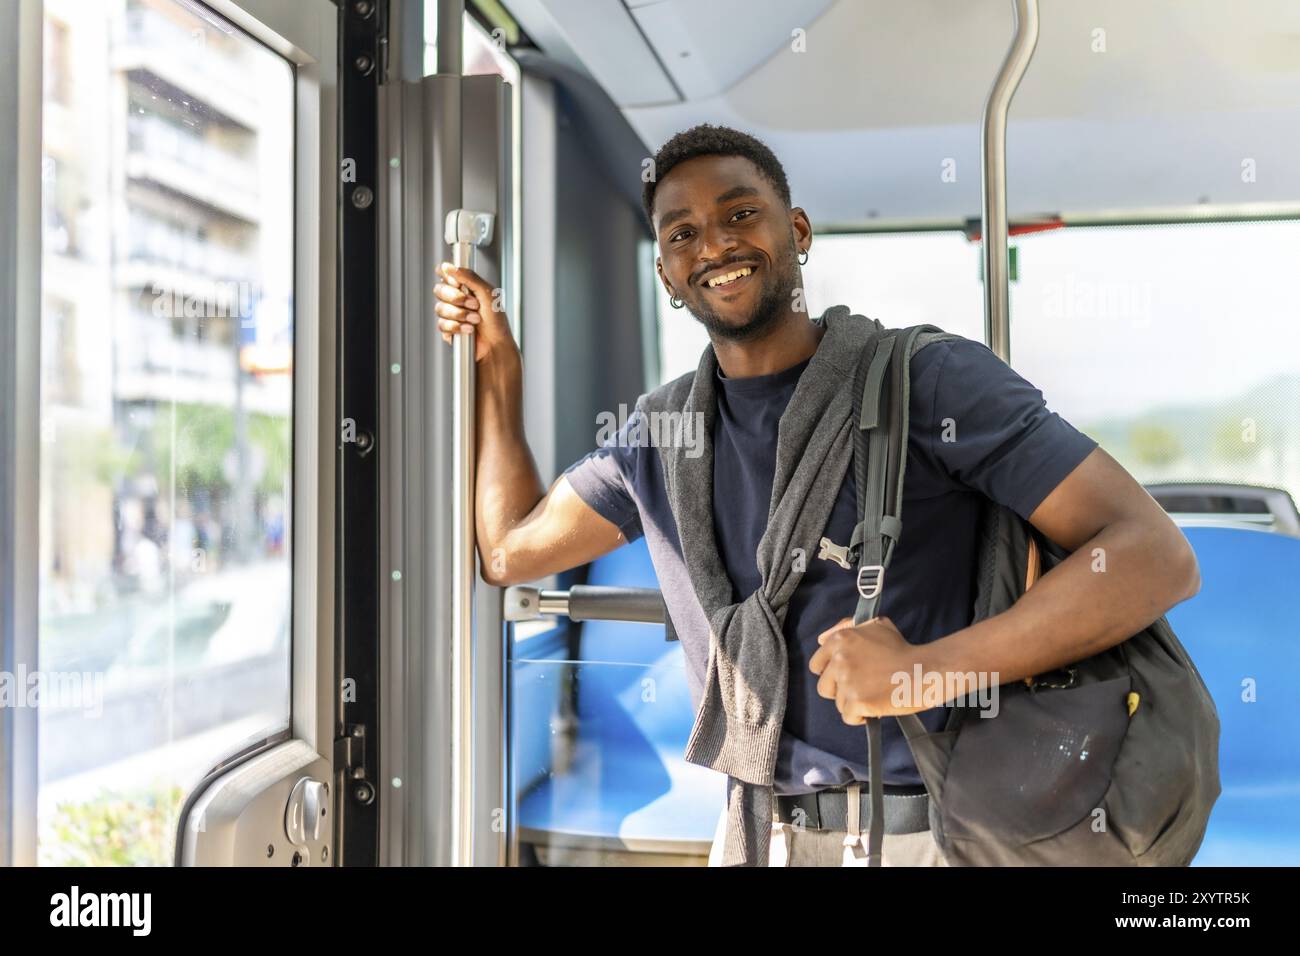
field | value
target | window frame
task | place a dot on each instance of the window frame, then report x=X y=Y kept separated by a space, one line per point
x=305 y=35
x=22 y=61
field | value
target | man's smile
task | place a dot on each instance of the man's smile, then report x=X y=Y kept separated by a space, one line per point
x=730 y=279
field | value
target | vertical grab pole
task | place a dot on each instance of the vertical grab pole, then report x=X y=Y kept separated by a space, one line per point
x=464 y=194
x=465 y=229
x=997 y=293
x=462 y=574
x=450 y=63
x=462 y=581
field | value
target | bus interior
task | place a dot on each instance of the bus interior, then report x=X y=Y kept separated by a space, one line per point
x=236 y=513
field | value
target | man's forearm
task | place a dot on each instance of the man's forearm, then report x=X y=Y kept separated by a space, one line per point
x=1077 y=610
x=507 y=485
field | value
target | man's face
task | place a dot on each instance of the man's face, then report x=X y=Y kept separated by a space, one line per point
x=716 y=216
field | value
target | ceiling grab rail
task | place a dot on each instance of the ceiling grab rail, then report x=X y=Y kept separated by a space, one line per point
x=993 y=186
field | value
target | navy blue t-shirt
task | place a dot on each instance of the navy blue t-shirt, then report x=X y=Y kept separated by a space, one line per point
x=977 y=429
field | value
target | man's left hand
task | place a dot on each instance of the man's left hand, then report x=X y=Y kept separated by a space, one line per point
x=857 y=667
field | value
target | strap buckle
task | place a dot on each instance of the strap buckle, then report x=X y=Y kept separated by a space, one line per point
x=839 y=553
x=871 y=578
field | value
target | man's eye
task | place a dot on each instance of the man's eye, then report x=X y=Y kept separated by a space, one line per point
x=678 y=235
x=743 y=212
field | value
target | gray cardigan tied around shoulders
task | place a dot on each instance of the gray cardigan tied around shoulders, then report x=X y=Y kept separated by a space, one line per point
x=738 y=726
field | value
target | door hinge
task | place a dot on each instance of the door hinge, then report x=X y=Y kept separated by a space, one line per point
x=350 y=752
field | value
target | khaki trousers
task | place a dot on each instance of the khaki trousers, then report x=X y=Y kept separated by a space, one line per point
x=791 y=846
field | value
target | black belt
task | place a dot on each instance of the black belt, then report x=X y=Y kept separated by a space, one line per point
x=907 y=809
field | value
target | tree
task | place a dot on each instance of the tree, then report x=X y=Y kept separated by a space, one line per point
x=1155 y=444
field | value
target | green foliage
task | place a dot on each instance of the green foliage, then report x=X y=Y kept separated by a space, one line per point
x=205 y=435
x=87 y=455
x=1155 y=444
x=109 y=459
x=1230 y=439
x=114 y=829
x=273 y=435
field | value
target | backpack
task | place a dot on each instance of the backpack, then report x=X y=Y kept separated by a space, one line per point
x=1110 y=761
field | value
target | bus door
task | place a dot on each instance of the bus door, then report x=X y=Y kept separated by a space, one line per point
x=171 y=426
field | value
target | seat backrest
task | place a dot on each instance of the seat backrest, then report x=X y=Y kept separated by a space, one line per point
x=1243 y=634
x=631 y=664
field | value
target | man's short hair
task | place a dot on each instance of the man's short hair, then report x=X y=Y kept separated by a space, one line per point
x=709 y=140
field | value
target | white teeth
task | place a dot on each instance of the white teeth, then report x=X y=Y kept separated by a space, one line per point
x=729 y=277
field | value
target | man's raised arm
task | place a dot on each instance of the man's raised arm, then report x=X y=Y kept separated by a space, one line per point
x=524 y=530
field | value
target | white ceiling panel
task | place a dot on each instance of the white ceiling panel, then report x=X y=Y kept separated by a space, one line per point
x=1126 y=106
x=601 y=38
x=709 y=45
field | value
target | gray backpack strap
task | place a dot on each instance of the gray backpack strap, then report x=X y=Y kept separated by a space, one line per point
x=880 y=460
x=880 y=455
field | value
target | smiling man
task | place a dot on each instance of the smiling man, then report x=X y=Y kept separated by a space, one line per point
x=780 y=679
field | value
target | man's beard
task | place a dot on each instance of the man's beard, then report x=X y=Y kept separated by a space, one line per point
x=778 y=290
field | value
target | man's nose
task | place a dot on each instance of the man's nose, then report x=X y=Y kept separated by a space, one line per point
x=716 y=244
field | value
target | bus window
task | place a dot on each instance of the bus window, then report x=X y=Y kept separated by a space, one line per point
x=1215 y=301
x=901 y=279
x=166 y=417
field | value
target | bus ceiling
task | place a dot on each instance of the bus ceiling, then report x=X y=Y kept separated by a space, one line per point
x=1156 y=111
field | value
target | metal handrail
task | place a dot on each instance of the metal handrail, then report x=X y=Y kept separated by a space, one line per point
x=993 y=188
x=465 y=230
x=463 y=567
x=586 y=602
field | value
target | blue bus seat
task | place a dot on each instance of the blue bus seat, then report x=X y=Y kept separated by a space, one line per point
x=1244 y=626
x=627 y=786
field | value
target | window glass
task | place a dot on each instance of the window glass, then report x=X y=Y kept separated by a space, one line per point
x=1175 y=346
x=166 y=417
